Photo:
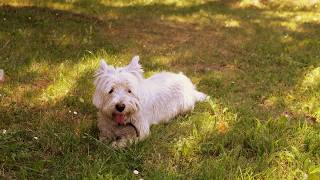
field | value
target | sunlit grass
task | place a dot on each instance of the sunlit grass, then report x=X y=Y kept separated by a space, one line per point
x=312 y=79
x=65 y=80
x=293 y=4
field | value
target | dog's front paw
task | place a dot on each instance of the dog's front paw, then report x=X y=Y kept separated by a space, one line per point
x=121 y=143
x=118 y=144
x=105 y=138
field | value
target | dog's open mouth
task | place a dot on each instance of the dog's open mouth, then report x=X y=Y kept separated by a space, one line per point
x=119 y=118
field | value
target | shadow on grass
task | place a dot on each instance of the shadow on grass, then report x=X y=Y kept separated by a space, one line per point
x=42 y=35
x=243 y=65
x=240 y=56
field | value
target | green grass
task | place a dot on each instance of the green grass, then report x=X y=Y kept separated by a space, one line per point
x=259 y=62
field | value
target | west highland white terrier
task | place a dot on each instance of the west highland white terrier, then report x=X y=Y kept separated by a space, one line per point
x=129 y=104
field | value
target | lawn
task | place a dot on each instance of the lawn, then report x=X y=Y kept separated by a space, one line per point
x=258 y=60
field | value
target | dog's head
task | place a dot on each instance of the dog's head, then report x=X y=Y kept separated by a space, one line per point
x=117 y=94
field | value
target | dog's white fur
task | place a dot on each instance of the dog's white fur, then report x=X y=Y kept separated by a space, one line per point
x=147 y=101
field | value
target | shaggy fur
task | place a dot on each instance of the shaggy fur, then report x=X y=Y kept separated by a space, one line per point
x=124 y=96
x=112 y=131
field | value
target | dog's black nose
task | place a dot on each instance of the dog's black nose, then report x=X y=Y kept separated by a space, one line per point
x=120 y=107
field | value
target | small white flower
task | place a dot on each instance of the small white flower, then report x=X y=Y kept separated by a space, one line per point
x=69 y=111
x=141 y=179
x=136 y=172
x=4 y=131
x=75 y=112
x=29 y=17
x=4 y=19
x=36 y=138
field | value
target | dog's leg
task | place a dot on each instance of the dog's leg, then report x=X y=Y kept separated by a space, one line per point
x=144 y=131
x=200 y=97
x=105 y=134
x=125 y=135
x=106 y=128
x=142 y=126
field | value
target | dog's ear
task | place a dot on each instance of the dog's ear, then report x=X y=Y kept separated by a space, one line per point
x=103 y=64
x=104 y=67
x=97 y=99
x=134 y=66
x=100 y=80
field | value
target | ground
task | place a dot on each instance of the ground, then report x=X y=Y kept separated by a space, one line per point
x=258 y=60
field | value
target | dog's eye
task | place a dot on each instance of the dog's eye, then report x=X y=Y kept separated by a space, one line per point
x=110 y=91
x=129 y=91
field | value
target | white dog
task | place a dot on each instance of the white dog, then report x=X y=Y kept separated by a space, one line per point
x=124 y=96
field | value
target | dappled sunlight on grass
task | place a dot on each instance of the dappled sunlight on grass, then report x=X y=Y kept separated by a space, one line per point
x=258 y=60
x=232 y=23
x=147 y=2
x=304 y=101
x=26 y=85
x=283 y=4
x=291 y=26
x=118 y=3
x=293 y=20
x=198 y=125
x=186 y=136
x=312 y=79
x=250 y=3
x=68 y=74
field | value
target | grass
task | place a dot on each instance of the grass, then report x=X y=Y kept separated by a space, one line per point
x=259 y=62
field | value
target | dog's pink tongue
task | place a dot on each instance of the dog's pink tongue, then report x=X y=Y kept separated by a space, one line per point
x=120 y=118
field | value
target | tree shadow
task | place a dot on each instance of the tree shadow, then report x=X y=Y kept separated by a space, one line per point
x=227 y=59
x=242 y=56
x=42 y=35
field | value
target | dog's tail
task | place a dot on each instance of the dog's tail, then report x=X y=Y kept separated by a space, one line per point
x=200 y=96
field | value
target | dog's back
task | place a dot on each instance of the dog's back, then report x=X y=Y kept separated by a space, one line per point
x=167 y=95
